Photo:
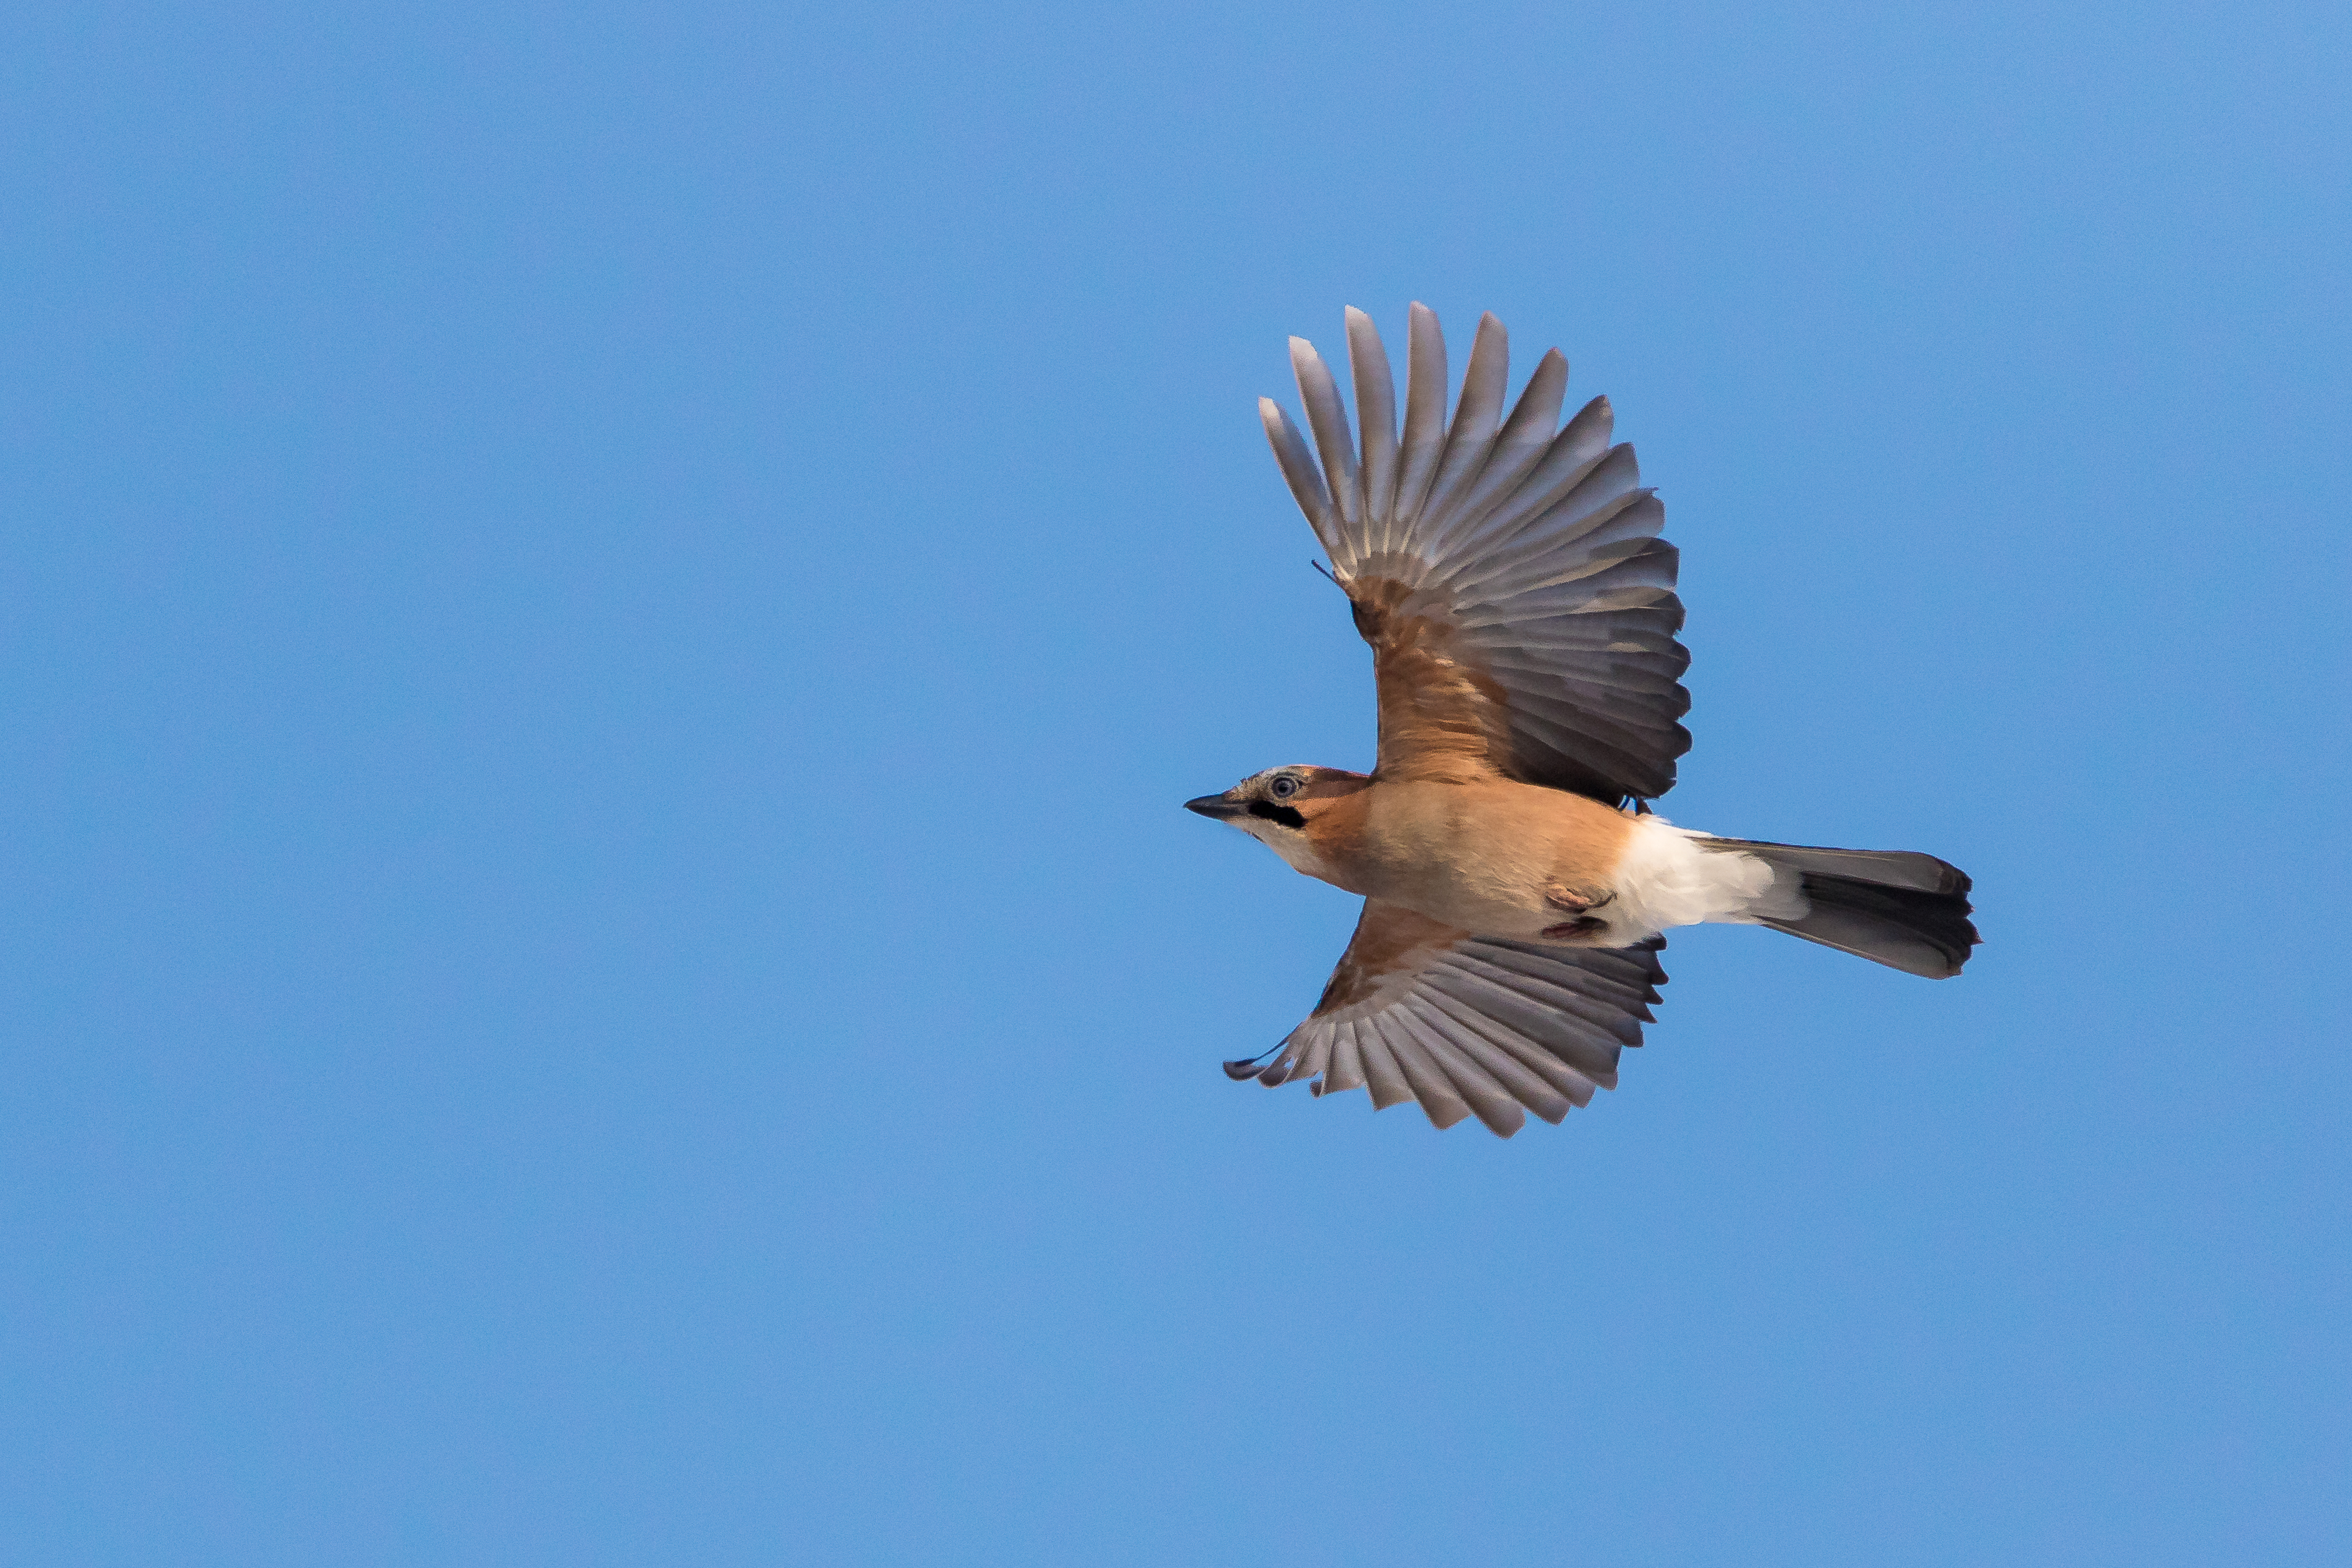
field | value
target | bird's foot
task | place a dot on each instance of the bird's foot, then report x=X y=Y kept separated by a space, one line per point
x=1571 y=931
x=1580 y=899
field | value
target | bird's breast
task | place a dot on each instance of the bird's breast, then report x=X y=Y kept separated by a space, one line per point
x=1485 y=857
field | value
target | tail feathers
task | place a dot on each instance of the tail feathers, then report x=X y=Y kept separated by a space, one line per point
x=1904 y=910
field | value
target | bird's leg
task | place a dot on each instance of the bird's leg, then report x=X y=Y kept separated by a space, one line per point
x=1579 y=900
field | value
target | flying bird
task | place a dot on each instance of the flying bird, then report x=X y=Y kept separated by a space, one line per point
x=1521 y=610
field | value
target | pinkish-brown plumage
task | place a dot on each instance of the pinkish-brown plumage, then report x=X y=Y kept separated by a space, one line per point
x=1521 y=613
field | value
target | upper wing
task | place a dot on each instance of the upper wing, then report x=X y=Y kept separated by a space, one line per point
x=1468 y=1024
x=1520 y=605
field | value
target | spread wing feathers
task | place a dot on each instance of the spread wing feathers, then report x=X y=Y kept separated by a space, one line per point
x=1506 y=570
x=1469 y=1026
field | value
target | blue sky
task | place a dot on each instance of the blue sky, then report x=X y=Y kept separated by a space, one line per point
x=607 y=612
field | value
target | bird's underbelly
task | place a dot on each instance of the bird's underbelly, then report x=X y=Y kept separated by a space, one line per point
x=1502 y=861
x=1539 y=882
x=1491 y=900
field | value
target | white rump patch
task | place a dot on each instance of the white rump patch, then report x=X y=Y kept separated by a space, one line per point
x=1668 y=879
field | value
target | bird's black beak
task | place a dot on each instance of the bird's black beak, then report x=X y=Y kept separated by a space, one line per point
x=1215 y=806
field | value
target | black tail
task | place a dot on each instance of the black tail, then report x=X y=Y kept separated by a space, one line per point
x=1910 y=911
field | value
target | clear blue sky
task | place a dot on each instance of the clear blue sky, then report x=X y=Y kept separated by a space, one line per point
x=607 y=611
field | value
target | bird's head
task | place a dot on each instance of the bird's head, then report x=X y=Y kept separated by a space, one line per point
x=1281 y=807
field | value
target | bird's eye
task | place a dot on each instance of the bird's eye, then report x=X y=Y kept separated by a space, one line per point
x=1283 y=787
